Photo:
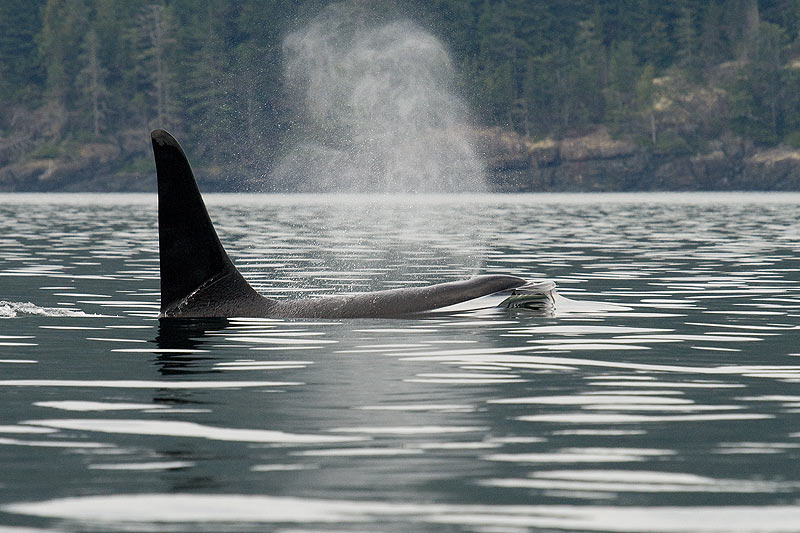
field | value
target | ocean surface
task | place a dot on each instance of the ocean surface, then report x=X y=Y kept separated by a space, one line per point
x=663 y=394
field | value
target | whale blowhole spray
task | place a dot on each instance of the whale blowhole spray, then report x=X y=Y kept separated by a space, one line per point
x=376 y=109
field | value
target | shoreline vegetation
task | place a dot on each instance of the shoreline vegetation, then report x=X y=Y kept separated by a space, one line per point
x=595 y=162
x=574 y=95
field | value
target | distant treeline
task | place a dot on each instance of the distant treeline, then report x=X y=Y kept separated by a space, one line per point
x=672 y=75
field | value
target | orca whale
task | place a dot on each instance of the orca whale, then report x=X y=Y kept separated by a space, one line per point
x=198 y=279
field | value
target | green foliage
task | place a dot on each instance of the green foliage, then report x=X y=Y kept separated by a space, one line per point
x=46 y=151
x=207 y=68
x=20 y=63
x=793 y=139
x=139 y=165
x=620 y=91
x=711 y=47
x=671 y=143
x=759 y=95
x=61 y=35
x=686 y=38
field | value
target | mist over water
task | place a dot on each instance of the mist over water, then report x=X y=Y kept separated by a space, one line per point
x=376 y=109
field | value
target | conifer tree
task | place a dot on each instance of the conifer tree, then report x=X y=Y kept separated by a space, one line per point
x=91 y=81
x=686 y=37
x=623 y=73
x=154 y=38
x=20 y=62
x=759 y=94
x=645 y=100
x=590 y=56
x=63 y=25
x=711 y=47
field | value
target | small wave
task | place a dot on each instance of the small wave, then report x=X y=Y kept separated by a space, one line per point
x=14 y=309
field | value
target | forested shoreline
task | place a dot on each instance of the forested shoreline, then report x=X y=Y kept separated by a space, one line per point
x=690 y=94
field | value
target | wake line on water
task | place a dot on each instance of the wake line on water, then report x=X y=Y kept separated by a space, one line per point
x=15 y=309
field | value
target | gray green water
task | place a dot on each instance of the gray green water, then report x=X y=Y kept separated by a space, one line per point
x=675 y=409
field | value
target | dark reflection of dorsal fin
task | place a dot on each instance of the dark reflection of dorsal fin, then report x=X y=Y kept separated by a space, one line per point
x=180 y=342
x=191 y=254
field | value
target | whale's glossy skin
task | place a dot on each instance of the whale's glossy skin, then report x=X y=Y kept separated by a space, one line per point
x=198 y=278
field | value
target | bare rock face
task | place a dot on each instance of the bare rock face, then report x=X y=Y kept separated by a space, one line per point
x=598 y=145
x=98 y=153
x=65 y=172
x=598 y=162
x=774 y=169
x=508 y=150
x=594 y=162
x=544 y=153
x=503 y=150
x=20 y=176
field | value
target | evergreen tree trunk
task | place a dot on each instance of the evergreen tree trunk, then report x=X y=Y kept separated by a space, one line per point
x=94 y=83
x=752 y=21
x=157 y=41
x=653 y=127
x=154 y=26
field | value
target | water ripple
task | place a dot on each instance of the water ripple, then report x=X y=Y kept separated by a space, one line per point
x=659 y=396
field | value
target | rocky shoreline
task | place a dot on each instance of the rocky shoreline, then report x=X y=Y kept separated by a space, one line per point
x=598 y=163
x=591 y=163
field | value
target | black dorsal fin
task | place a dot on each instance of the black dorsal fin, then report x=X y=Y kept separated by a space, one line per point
x=191 y=255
